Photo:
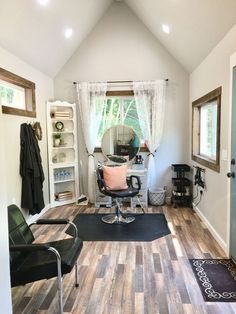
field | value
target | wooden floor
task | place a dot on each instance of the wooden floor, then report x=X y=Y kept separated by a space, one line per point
x=129 y=277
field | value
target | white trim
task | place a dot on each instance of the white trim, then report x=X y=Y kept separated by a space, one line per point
x=33 y=218
x=232 y=64
x=212 y=230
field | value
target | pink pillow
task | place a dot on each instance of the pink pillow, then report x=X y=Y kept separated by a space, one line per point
x=115 y=177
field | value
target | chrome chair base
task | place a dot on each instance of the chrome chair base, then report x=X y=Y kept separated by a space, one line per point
x=117 y=219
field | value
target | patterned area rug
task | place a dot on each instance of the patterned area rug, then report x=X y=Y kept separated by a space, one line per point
x=216 y=279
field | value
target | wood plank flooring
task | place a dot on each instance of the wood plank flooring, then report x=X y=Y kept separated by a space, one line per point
x=129 y=277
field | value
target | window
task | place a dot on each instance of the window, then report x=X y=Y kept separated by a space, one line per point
x=206 y=130
x=119 y=109
x=17 y=95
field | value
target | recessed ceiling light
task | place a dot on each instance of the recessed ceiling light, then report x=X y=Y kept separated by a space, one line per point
x=166 y=28
x=68 y=32
x=43 y=2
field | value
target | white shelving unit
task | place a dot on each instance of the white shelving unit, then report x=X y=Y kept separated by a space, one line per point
x=63 y=156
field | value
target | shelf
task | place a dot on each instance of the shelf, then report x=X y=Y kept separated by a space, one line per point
x=184 y=198
x=61 y=203
x=62 y=119
x=62 y=181
x=63 y=147
x=180 y=167
x=62 y=165
x=181 y=181
x=63 y=132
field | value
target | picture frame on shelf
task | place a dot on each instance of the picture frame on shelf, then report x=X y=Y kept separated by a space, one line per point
x=59 y=125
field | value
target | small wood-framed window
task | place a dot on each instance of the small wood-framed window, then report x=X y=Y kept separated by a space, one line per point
x=206 y=130
x=17 y=95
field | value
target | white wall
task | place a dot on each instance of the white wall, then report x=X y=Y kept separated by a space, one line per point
x=5 y=291
x=10 y=186
x=120 y=47
x=11 y=125
x=213 y=72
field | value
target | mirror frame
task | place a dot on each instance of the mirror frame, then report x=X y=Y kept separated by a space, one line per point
x=105 y=155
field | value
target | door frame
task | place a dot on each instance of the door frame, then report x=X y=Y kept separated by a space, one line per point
x=232 y=65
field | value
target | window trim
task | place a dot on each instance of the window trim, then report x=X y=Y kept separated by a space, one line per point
x=29 y=88
x=197 y=104
x=120 y=93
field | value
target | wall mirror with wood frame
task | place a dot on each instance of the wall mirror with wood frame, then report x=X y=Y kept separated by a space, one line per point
x=17 y=95
x=206 y=130
x=120 y=144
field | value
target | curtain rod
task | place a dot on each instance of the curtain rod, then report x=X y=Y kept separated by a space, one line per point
x=114 y=82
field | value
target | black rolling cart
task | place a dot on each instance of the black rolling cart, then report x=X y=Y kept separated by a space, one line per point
x=182 y=186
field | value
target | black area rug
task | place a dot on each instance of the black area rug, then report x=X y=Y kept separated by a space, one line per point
x=216 y=279
x=146 y=227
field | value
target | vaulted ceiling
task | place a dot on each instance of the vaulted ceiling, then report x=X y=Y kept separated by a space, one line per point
x=35 y=33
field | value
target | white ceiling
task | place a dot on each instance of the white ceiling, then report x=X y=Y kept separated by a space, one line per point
x=35 y=33
x=196 y=25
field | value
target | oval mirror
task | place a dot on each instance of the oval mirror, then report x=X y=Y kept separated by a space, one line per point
x=120 y=144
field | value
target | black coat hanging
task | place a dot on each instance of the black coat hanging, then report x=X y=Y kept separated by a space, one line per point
x=31 y=171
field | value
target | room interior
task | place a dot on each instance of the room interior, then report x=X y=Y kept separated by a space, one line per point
x=192 y=45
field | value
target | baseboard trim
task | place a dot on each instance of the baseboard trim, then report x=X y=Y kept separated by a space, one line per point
x=33 y=218
x=212 y=230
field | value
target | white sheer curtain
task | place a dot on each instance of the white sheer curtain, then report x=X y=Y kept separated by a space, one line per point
x=91 y=97
x=150 y=102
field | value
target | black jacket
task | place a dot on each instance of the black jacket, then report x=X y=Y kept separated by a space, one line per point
x=31 y=171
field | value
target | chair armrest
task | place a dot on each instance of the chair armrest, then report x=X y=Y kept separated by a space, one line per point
x=29 y=247
x=56 y=222
x=138 y=182
x=52 y=221
x=102 y=185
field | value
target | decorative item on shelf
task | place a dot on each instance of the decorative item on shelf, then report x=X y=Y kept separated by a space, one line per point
x=59 y=125
x=60 y=114
x=55 y=159
x=61 y=175
x=57 y=139
x=63 y=196
x=138 y=159
x=62 y=157
x=62 y=142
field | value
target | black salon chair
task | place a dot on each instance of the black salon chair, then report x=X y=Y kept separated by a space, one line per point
x=30 y=262
x=134 y=185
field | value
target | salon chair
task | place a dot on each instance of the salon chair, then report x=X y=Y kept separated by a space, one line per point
x=132 y=190
x=30 y=262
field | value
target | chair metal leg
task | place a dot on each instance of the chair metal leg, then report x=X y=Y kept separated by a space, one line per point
x=141 y=205
x=117 y=218
x=76 y=275
x=59 y=279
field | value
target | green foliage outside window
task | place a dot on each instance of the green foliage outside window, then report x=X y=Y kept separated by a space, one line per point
x=119 y=110
x=6 y=94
